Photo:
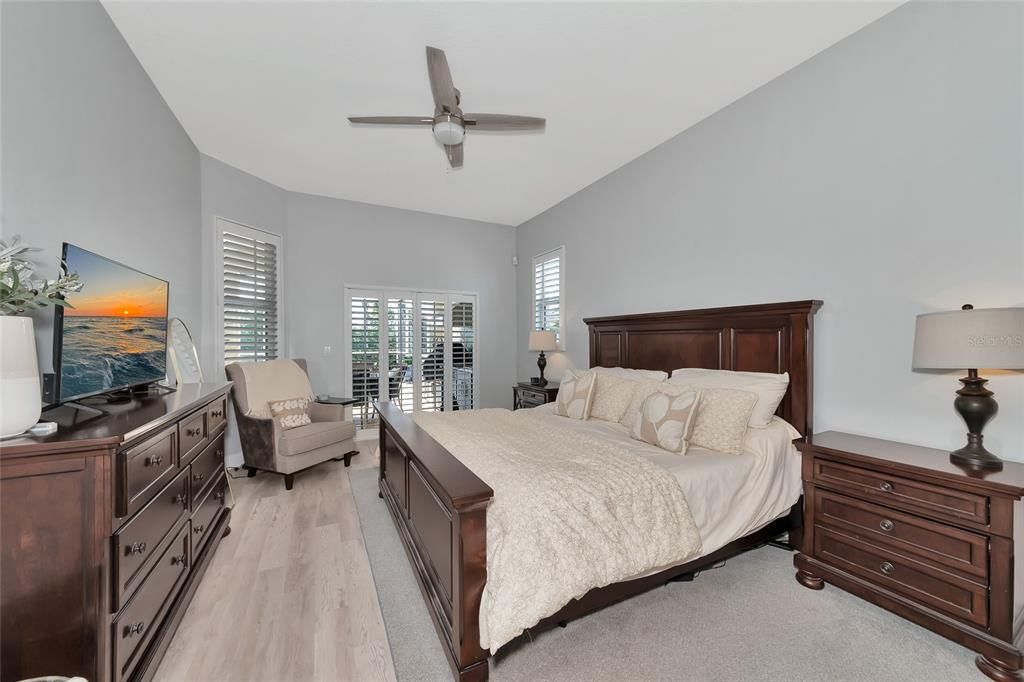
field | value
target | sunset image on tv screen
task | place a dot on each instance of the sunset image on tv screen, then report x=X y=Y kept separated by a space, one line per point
x=115 y=333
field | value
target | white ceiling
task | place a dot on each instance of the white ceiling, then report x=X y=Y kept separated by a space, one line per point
x=267 y=86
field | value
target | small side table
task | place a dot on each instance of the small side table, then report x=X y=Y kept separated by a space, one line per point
x=332 y=400
x=527 y=395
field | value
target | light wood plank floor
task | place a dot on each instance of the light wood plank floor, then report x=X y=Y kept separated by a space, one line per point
x=289 y=594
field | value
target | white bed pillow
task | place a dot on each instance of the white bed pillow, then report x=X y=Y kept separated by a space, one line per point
x=575 y=394
x=722 y=419
x=666 y=420
x=634 y=374
x=612 y=395
x=770 y=388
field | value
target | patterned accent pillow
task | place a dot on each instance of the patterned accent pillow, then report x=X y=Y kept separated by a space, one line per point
x=291 y=412
x=575 y=394
x=612 y=395
x=722 y=419
x=641 y=391
x=666 y=420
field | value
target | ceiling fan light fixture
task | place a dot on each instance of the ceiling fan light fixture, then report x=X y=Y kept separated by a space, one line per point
x=449 y=130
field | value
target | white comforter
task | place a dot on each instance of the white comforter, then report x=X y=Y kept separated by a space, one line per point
x=571 y=512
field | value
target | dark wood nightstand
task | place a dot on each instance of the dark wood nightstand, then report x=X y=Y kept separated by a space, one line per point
x=904 y=528
x=526 y=394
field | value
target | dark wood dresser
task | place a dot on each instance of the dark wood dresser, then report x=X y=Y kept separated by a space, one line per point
x=527 y=395
x=107 y=528
x=904 y=528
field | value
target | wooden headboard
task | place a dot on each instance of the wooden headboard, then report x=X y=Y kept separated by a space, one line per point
x=769 y=337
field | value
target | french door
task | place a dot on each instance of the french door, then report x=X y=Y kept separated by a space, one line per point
x=415 y=348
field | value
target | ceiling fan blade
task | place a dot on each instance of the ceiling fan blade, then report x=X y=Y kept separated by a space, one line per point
x=393 y=120
x=454 y=154
x=503 y=122
x=441 y=86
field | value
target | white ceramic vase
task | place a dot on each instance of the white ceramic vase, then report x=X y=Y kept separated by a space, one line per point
x=20 y=398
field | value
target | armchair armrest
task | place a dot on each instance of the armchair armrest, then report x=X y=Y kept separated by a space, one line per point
x=319 y=412
x=259 y=437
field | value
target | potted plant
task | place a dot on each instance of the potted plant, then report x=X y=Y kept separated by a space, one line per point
x=21 y=292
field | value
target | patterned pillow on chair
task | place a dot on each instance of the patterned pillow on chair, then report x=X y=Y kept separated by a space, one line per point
x=291 y=412
x=575 y=395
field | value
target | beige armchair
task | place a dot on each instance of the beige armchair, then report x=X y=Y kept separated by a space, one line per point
x=268 y=447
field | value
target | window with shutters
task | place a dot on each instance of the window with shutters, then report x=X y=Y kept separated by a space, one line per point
x=548 y=291
x=250 y=293
x=414 y=348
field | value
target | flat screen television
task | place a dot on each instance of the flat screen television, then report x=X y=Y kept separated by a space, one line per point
x=114 y=337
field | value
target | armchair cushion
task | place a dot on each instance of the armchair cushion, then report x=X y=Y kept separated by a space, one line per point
x=321 y=412
x=312 y=436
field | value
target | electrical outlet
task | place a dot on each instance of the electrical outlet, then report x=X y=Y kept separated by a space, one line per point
x=327 y=350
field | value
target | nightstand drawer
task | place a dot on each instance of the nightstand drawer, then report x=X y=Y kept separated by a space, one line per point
x=531 y=398
x=941 y=545
x=942 y=591
x=943 y=504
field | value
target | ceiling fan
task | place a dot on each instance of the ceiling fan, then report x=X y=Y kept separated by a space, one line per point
x=448 y=122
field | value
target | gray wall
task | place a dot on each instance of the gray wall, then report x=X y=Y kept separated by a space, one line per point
x=884 y=176
x=92 y=154
x=333 y=243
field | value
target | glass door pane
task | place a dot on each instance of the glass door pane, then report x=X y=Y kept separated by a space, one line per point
x=401 y=349
x=365 y=358
x=463 y=317
x=432 y=354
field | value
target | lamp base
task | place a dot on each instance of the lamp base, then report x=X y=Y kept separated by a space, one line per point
x=974 y=455
x=542 y=362
x=976 y=405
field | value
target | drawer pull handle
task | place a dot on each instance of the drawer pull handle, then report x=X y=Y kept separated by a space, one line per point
x=180 y=498
x=199 y=529
x=885 y=486
x=886 y=525
x=135 y=548
x=179 y=559
x=155 y=460
x=133 y=629
x=191 y=433
x=887 y=568
x=219 y=495
x=217 y=413
x=198 y=477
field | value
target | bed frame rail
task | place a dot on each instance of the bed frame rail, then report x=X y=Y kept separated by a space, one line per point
x=440 y=509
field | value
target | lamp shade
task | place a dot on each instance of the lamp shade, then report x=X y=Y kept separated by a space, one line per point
x=543 y=341
x=991 y=338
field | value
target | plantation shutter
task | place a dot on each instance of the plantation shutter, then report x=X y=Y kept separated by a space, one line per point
x=250 y=287
x=547 y=291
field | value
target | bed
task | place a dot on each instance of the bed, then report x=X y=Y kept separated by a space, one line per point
x=440 y=507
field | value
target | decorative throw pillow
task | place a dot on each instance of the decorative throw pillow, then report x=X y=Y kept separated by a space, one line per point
x=665 y=420
x=575 y=394
x=291 y=412
x=722 y=419
x=641 y=391
x=612 y=395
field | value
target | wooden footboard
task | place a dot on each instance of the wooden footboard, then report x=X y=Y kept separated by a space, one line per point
x=440 y=509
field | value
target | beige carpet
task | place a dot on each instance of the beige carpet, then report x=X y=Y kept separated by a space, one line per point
x=746 y=621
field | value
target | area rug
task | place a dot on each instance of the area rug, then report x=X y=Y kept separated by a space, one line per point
x=748 y=620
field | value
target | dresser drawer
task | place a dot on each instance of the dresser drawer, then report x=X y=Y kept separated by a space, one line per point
x=936 y=502
x=944 y=546
x=205 y=468
x=204 y=516
x=216 y=414
x=138 y=543
x=926 y=584
x=144 y=469
x=192 y=435
x=135 y=625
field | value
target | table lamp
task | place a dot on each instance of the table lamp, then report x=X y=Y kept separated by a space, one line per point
x=543 y=341
x=970 y=339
